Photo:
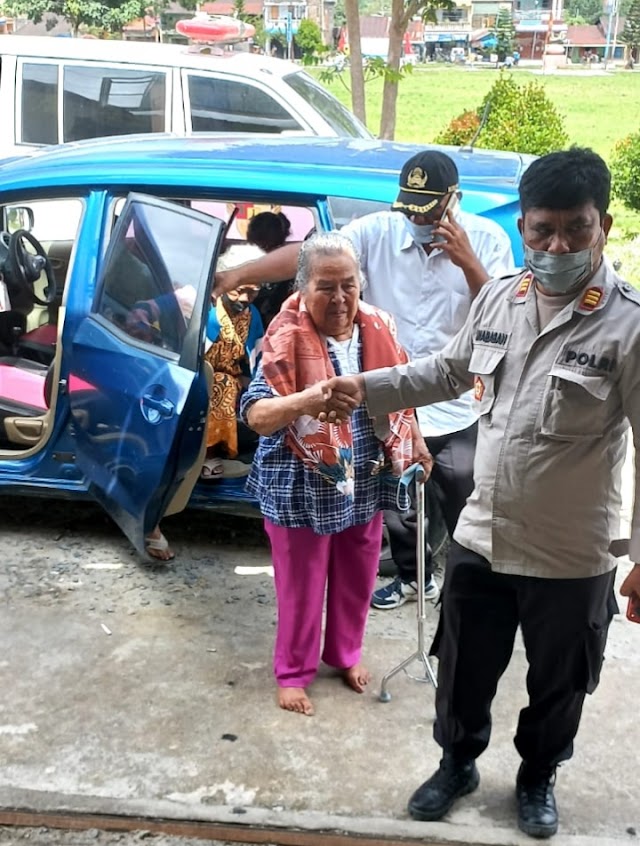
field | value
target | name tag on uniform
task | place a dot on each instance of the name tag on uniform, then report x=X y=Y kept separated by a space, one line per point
x=492 y=337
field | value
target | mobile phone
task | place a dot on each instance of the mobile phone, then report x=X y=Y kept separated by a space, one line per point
x=452 y=204
x=633 y=608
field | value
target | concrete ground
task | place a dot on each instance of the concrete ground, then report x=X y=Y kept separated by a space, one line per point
x=132 y=689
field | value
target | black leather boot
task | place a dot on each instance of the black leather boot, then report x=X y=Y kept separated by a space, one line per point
x=537 y=812
x=453 y=778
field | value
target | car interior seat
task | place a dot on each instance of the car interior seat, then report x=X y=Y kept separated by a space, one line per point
x=24 y=400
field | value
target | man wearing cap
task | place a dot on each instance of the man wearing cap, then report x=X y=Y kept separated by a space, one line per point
x=424 y=261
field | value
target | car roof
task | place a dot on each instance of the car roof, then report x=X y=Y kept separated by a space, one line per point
x=302 y=165
x=137 y=53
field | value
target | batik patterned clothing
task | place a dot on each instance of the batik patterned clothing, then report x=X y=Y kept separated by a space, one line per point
x=228 y=358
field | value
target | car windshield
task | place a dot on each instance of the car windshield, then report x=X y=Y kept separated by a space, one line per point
x=339 y=118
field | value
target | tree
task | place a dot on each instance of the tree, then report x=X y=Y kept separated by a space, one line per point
x=585 y=11
x=98 y=15
x=401 y=14
x=352 y=14
x=630 y=35
x=504 y=33
x=76 y=12
x=309 y=38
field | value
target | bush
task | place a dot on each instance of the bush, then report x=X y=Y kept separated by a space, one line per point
x=519 y=118
x=625 y=171
x=309 y=38
x=461 y=130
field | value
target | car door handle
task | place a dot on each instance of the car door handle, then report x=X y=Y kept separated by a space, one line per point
x=163 y=407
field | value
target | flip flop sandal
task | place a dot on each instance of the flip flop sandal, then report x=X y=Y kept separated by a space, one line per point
x=160 y=544
x=211 y=469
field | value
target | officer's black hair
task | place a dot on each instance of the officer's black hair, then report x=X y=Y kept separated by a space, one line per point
x=566 y=179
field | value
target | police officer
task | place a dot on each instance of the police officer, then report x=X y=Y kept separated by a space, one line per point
x=553 y=356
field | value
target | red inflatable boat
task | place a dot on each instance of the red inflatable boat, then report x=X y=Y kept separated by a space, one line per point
x=215 y=28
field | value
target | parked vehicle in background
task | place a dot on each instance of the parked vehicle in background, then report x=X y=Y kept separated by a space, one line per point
x=90 y=408
x=56 y=90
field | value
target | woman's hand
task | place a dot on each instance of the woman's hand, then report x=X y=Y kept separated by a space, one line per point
x=420 y=453
x=314 y=399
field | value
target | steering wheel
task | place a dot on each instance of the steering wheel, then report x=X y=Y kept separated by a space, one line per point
x=25 y=267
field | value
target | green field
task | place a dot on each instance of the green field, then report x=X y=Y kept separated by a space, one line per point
x=598 y=110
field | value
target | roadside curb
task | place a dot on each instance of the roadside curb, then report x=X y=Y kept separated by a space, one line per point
x=252 y=824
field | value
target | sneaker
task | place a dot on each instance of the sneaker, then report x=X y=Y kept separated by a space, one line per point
x=453 y=778
x=397 y=592
x=537 y=812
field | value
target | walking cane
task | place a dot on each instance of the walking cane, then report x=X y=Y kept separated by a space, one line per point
x=421 y=653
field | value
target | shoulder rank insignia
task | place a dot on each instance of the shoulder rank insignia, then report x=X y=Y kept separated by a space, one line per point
x=629 y=292
x=523 y=288
x=591 y=299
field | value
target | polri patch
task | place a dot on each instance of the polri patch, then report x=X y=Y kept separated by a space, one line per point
x=478 y=388
x=594 y=361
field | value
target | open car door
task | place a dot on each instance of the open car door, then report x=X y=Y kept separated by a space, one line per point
x=136 y=385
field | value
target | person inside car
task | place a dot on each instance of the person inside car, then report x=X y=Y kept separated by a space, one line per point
x=269 y=230
x=234 y=338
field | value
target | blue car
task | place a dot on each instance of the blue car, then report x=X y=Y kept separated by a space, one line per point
x=91 y=408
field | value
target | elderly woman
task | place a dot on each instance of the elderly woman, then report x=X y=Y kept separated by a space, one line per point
x=322 y=486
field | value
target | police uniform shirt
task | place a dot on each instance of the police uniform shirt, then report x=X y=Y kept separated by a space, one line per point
x=554 y=405
x=427 y=294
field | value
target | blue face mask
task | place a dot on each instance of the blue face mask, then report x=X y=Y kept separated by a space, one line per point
x=415 y=471
x=421 y=234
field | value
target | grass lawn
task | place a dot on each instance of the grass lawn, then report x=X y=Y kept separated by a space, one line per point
x=598 y=110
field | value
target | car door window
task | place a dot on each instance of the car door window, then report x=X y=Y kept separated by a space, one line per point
x=39 y=103
x=226 y=105
x=106 y=100
x=152 y=274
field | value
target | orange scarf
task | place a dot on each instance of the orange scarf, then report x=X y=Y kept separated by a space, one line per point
x=294 y=357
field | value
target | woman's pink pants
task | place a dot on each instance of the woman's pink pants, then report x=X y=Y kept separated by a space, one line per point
x=304 y=564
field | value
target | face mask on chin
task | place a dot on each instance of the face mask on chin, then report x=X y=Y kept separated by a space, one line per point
x=234 y=307
x=560 y=274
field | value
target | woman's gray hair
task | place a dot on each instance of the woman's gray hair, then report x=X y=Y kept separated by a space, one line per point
x=324 y=244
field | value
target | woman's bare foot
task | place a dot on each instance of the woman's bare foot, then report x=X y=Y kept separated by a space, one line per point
x=295 y=699
x=357 y=677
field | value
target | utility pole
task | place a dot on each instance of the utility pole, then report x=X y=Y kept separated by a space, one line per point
x=613 y=13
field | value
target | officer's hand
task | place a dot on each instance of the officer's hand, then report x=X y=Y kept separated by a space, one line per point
x=632 y=583
x=347 y=393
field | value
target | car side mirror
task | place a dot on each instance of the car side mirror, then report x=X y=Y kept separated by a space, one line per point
x=19 y=217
